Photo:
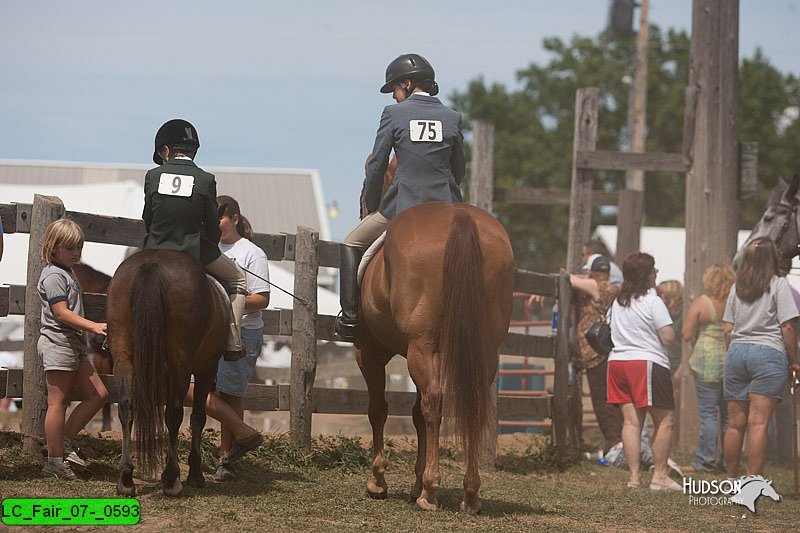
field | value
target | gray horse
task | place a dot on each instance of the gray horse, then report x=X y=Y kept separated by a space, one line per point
x=780 y=223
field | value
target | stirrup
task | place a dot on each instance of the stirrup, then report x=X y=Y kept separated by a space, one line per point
x=345 y=328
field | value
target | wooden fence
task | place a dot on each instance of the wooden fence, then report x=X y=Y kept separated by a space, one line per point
x=303 y=324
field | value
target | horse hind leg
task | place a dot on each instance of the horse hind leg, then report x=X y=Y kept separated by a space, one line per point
x=424 y=367
x=173 y=416
x=419 y=466
x=373 y=369
x=125 y=484
x=202 y=386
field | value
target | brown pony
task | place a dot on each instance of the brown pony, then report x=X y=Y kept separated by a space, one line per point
x=165 y=322
x=439 y=293
x=94 y=281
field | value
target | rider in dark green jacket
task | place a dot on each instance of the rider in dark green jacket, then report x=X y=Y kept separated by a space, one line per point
x=180 y=213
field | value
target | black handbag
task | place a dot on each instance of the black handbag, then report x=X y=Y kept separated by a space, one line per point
x=599 y=337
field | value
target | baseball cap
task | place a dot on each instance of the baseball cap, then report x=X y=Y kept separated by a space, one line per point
x=597 y=263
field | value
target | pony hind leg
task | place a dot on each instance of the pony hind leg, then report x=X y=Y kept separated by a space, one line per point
x=202 y=386
x=125 y=484
x=173 y=416
x=373 y=368
x=424 y=367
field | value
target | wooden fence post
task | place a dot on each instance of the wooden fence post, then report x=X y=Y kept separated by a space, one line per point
x=481 y=185
x=561 y=381
x=481 y=189
x=711 y=179
x=629 y=223
x=46 y=209
x=304 y=340
x=580 y=207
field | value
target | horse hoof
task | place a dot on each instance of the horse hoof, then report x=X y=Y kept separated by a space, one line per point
x=475 y=509
x=377 y=491
x=196 y=481
x=425 y=505
x=175 y=489
x=122 y=490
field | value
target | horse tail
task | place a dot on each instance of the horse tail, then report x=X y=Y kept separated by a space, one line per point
x=467 y=365
x=148 y=393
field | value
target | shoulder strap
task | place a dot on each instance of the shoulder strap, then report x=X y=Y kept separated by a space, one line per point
x=711 y=308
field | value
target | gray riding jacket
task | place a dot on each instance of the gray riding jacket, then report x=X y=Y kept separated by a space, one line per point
x=427 y=139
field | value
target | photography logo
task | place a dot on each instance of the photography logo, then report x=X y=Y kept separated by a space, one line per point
x=743 y=491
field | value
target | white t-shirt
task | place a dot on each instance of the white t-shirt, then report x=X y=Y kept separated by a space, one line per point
x=247 y=255
x=634 y=330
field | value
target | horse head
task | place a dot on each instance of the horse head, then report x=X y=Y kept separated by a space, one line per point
x=769 y=491
x=779 y=222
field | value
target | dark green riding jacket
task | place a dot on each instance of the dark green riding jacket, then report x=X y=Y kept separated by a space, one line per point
x=180 y=210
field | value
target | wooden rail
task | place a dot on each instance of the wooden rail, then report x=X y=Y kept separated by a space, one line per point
x=308 y=253
x=323 y=400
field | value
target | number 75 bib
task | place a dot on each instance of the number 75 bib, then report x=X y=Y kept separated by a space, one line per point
x=426 y=131
x=176 y=185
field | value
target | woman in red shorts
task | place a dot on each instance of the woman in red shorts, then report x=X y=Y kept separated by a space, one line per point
x=639 y=377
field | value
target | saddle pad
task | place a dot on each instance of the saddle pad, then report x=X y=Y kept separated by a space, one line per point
x=217 y=285
x=369 y=254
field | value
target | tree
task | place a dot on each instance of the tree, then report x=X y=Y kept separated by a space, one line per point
x=534 y=128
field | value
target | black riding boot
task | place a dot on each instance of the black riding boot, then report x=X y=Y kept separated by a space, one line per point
x=349 y=258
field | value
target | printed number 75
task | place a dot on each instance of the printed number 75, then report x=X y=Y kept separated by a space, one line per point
x=176 y=184
x=431 y=131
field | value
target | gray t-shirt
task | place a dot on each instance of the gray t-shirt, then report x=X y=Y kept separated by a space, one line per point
x=59 y=284
x=760 y=322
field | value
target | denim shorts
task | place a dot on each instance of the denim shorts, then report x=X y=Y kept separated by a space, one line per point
x=754 y=368
x=232 y=376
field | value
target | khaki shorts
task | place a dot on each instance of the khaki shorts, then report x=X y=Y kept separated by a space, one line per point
x=57 y=357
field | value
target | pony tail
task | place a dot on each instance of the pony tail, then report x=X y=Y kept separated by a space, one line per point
x=467 y=370
x=244 y=228
x=148 y=391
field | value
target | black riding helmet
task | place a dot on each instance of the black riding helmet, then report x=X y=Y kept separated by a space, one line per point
x=412 y=67
x=175 y=133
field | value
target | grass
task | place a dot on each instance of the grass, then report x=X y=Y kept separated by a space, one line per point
x=280 y=488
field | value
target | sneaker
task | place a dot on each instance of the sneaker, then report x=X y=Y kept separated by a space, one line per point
x=241 y=447
x=225 y=473
x=61 y=471
x=71 y=455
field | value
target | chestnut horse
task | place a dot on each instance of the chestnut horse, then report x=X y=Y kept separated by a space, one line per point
x=439 y=292
x=166 y=321
x=94 y=281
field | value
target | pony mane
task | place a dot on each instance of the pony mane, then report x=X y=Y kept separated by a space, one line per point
x=748 y=479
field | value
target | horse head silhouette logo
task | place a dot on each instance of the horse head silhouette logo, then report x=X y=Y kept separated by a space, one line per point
x=752 y=487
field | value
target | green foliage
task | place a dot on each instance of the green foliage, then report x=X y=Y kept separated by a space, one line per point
x=534 y=127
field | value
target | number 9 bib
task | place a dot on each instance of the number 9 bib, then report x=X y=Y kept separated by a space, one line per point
x=176 y=185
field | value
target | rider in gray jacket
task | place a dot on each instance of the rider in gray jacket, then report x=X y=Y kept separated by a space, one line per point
x=427 y=140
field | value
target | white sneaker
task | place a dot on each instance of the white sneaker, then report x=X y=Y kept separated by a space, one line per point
x=62 y=471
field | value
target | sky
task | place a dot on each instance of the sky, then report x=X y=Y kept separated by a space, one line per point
x=279 y=84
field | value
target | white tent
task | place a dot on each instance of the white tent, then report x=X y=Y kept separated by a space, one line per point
x=121 y=199
x=668 y=247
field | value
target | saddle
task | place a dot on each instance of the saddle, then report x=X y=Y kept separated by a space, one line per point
x=368 y=255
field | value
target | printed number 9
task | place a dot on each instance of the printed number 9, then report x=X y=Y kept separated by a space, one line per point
x=176 y=184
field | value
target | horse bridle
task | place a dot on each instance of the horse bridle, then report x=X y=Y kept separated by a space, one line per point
x=791 y=211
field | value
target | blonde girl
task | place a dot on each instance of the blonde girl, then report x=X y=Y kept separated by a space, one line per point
x=63 y=349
